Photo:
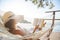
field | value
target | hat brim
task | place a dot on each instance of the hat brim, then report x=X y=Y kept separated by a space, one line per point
x=7 y=15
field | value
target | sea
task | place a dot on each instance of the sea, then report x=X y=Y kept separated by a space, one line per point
x=30 y=27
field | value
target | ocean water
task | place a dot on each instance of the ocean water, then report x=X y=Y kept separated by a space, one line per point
x=56 y=28
x=29 y=27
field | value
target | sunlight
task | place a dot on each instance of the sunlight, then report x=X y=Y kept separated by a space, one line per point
x=28 y=9
x=21 y=7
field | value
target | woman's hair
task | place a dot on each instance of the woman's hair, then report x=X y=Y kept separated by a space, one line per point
x=10 y=24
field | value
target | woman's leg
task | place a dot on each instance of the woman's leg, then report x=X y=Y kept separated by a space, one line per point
x=36 y=27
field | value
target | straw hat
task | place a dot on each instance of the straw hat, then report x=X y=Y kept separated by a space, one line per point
x=7 y=16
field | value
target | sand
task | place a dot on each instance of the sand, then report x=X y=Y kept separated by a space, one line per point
x=55 y=36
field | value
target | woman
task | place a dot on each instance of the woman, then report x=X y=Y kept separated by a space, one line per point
x=39 y=24
x=11 y=25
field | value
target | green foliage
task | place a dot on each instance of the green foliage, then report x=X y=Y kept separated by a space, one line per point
x=42 y=3
x=35 y=1
x=51 y=5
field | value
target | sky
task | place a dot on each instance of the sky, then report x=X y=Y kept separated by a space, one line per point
x=28 y=9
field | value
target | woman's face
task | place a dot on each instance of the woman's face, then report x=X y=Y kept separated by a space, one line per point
x=14 y=24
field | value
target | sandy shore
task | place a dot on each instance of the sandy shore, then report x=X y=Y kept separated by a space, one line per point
x=53 y=36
